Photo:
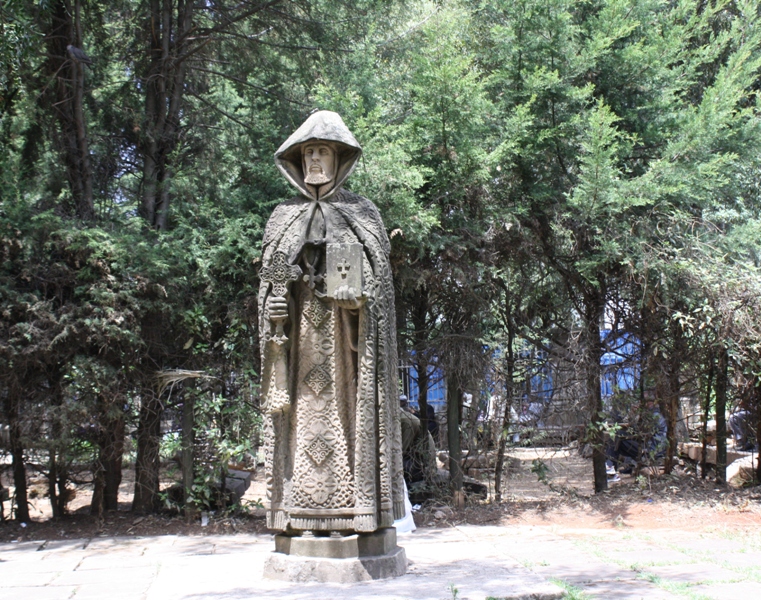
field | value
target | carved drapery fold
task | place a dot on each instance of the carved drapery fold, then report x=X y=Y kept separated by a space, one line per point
x=334 y=461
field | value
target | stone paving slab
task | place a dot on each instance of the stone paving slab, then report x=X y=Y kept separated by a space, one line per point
x=101 y=562
x=479 y=562
x=17 y=547
x=628 y=590
x=645 y=558
x=38 y=593
x=231 y=567
x=57 y=545
x=115 y=543
x=693 y=573
x=581 y=575
x=10 y=578
x=743 y=559
x=743 y=590
x=427 y=578
x=116 y=577
x=117 y=589
x=46 y=564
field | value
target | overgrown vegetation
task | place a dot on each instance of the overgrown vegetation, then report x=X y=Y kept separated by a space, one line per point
x=544 y=167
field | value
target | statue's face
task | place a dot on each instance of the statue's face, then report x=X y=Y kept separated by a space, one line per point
x=319 y=163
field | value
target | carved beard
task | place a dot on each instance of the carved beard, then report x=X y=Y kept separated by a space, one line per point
x=317 y=178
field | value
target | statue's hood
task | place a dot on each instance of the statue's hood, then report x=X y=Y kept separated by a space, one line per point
x=323 y=125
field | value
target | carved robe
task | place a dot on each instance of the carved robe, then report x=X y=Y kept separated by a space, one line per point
x=332 y=433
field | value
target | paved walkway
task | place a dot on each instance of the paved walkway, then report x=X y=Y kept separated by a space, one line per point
x=467 y=562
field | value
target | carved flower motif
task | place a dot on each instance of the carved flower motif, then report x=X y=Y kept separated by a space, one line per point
x=323 y=346
x=316 y=312
x=317 y=379
x=320 y=484
x=319 y=429
x=318 y=449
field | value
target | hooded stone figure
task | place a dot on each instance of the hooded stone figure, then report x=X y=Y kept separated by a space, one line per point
x=328 y=339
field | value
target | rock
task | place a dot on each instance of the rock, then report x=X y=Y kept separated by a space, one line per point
x=236 y=483
x=442 y=512
x=694 y=451
x=742 y=470
x=711 y=432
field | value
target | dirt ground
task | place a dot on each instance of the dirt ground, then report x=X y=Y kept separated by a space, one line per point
x=565 y=498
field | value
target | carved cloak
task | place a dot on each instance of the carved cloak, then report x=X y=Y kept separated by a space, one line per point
x=330 y=392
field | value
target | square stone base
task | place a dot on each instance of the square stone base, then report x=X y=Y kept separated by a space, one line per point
x=358 y=557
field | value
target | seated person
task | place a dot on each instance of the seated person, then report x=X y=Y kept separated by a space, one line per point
x=418 y=450
x=741 y=427
x=639 y=442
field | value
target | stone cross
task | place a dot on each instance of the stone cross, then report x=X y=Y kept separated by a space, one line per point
x=343 y=268
x=280 y=274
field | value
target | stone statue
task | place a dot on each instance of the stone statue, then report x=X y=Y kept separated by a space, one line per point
x=328 y=339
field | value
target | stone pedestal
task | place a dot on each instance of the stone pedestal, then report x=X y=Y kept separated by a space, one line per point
x=358 y=557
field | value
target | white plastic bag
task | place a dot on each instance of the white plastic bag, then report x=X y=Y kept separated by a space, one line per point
x=406 y=524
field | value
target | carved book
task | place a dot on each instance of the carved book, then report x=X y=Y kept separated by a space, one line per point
x=344 y=267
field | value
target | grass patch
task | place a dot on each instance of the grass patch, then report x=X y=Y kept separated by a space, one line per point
x=571 y=591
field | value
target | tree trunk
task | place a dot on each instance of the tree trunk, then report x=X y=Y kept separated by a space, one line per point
x=505 y=429
x=19 y=480
x=164 y=93
x=147 y=464
x=107 y=473
x=17 y=454
x=758 y=428
x=97 y=503
x=63 y=493
x=454 y=393
x=112 y=454
x=188 y=419
x=671 y=401
x=592 y=356
x=722 y=381
x=419 y=323
x=704 y=416
x=67 y=104
x=57 y=475
x=85 y=206
x=55 y=505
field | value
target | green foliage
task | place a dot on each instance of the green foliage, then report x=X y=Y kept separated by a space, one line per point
x=454 y=591
x=572 y=592
x=540 y=469
x=224 y=429
x=533 y=161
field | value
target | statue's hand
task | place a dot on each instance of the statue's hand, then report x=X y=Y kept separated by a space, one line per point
x=277 y=308
x=347 y=297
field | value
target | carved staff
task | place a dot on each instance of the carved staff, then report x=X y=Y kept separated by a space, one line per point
x=279 y=274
